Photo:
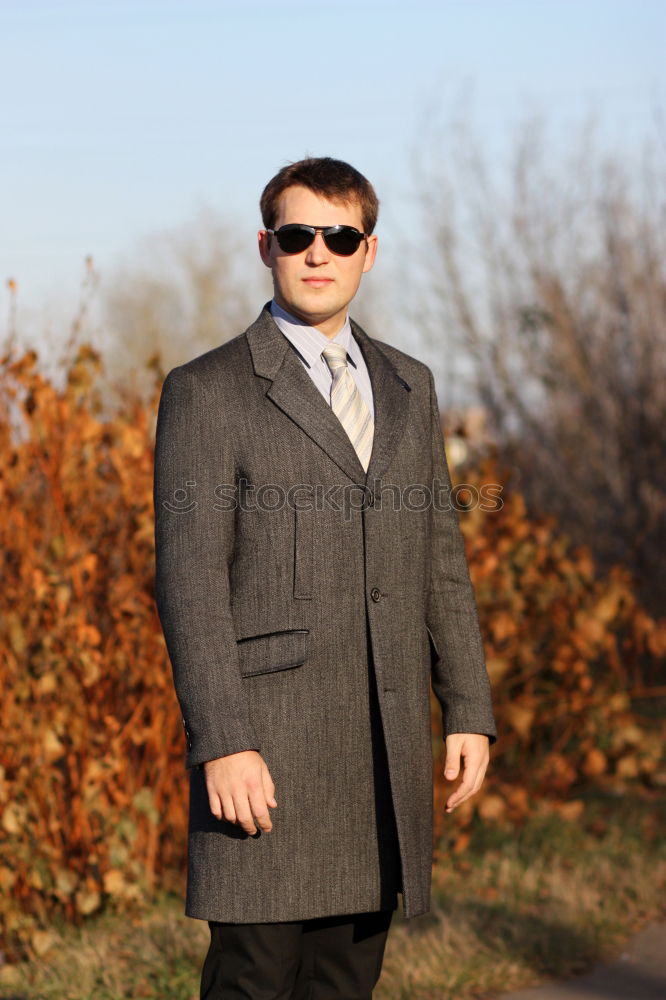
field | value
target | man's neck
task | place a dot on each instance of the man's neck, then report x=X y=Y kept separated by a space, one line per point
x=299 y=321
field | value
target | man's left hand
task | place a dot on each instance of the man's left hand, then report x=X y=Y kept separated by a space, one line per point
x=474 y=750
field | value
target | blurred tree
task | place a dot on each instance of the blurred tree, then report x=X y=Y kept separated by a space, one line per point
x=193 y=288
x=550 y=283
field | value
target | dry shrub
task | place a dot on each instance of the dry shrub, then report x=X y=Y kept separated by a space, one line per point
x=567 y=653
x=91 y=798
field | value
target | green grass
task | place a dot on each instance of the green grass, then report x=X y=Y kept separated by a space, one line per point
x=518 y=905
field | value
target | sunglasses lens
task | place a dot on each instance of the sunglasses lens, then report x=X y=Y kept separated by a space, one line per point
x=294 y=239
x=344 y=241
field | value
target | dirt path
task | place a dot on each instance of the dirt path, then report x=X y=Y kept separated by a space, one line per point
x=638 y=974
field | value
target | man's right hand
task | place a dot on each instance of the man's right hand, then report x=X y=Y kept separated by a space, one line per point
x=240 y=790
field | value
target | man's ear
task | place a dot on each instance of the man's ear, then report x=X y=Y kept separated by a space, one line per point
x=370 y=253
x=264 y=239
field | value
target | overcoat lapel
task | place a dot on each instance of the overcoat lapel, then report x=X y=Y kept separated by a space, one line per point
x=293 y=391
x=391 y=397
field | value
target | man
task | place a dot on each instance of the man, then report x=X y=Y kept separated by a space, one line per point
x=311 y=582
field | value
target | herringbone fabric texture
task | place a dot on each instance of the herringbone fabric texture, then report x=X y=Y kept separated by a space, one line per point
x=348 y=404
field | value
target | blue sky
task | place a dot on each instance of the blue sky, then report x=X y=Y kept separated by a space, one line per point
x=121 y=118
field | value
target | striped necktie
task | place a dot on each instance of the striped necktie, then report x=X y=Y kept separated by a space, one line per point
x=348 y=404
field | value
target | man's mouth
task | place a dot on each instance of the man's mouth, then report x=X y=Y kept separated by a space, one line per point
x=318 y=282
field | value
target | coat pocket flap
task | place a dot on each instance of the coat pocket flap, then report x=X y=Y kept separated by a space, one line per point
x=268 y=651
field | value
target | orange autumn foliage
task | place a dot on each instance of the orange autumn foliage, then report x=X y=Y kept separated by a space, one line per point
x=566 y=650
x=92 y=783
x=93 y=790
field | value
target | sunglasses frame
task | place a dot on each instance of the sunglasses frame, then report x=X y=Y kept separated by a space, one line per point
x=324 y=230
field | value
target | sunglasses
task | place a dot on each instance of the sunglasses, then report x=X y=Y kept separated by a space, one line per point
x=296 y=237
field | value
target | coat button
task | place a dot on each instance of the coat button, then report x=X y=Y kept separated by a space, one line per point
x=375 y=594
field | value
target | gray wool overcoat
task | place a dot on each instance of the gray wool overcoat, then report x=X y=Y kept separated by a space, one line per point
x=307 y=607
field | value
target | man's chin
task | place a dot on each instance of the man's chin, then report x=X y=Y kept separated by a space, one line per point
x=313 y=312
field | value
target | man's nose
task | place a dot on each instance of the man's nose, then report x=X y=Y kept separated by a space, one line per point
x=317 y=252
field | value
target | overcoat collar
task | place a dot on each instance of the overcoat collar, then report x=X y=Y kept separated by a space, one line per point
x=293 y=391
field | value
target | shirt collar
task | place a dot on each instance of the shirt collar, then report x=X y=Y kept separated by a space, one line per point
x=308 y=340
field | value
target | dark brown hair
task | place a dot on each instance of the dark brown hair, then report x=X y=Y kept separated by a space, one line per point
x=332 y=179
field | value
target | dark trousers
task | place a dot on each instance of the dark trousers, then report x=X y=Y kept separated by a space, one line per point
x=325 y=958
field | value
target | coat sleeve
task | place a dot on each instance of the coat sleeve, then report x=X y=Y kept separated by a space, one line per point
x=459 y=677
x=194 y=546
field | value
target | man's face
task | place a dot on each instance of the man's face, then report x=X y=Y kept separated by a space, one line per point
x=316 y=285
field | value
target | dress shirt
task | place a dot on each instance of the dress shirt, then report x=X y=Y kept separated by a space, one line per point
x=310 y=342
